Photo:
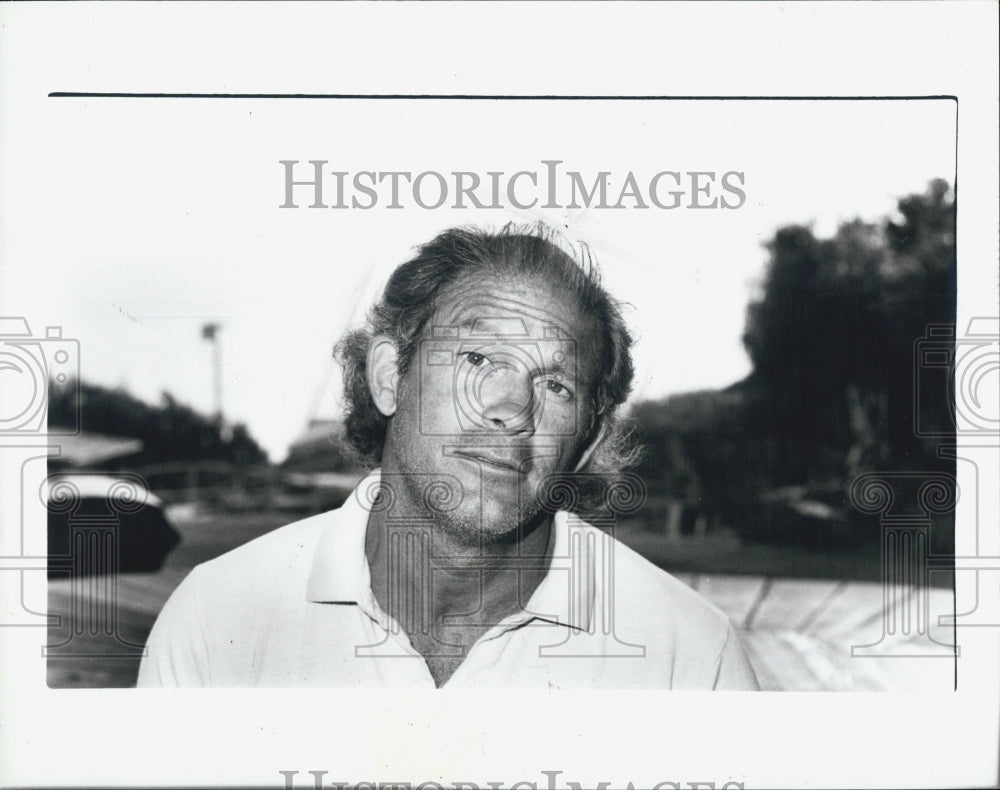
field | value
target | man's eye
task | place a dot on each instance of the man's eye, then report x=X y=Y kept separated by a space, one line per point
x=475 y=358
x=558 y=389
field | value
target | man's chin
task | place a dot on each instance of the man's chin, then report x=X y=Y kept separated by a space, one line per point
x=491 y=525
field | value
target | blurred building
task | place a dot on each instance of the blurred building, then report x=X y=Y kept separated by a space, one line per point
x=89 y=450
x=319 y=470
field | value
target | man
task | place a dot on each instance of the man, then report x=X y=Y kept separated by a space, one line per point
x=485 y=389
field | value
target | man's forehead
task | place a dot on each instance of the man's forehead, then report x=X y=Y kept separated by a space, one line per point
x=525 y=308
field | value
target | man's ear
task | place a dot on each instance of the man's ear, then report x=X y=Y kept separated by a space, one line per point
x=383 y=374
x=595 y=442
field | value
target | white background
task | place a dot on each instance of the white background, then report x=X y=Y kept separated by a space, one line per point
x=129 y=223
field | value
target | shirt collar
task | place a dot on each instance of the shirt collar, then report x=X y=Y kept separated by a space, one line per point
x=340 y=572
x=565 y=596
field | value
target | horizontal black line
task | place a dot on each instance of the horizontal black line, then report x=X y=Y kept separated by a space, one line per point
x=473 y=97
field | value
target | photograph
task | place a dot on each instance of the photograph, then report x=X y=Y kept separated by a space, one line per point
x=444 y=404
x=516 y=389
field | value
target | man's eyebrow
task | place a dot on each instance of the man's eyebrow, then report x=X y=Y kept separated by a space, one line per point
x=495 y=326
x=567 y=367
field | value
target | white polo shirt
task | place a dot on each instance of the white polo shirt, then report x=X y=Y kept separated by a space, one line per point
x=295 y=608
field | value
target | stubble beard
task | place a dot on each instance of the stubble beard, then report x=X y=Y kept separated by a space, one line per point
x=477 y=524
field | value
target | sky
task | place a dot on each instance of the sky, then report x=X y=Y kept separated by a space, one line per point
x=131 y=223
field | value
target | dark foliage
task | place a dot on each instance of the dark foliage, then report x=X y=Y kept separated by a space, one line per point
x=169 y=432
x=835 y=389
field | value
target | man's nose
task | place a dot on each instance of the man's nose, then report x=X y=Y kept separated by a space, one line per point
x=507 y=403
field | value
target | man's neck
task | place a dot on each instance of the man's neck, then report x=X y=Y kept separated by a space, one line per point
x=446 y=592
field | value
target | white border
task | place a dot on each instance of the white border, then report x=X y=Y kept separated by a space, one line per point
x=767 y=740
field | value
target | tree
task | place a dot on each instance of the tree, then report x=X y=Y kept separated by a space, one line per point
x=169 y=432
x=832 y=337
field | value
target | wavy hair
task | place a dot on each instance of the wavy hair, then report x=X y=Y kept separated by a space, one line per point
x=410 y=300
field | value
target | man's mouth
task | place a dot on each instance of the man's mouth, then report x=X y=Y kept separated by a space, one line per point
x=510 y=462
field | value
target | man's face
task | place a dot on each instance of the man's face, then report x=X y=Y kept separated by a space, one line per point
x=497 y=398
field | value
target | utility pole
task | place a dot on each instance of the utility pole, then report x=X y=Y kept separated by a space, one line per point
x=210 y=332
